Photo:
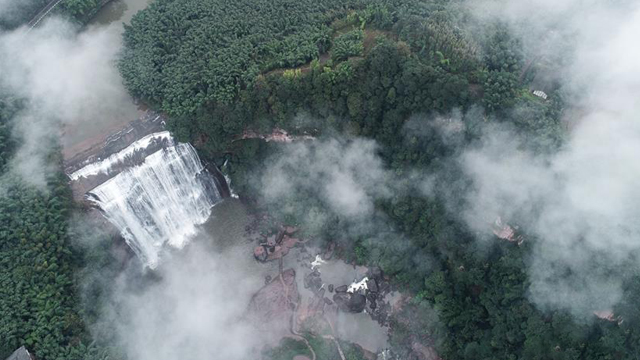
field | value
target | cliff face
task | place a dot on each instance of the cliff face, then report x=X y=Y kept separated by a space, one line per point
x=21 y=354
x=101 y=146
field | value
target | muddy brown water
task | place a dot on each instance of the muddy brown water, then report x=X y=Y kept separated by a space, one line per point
x=119 y=11
x=83 y=135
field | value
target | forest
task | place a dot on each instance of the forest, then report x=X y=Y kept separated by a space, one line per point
x=364 y=70
x=39 y=265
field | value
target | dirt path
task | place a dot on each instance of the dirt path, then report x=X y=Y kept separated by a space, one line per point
x=294 y=315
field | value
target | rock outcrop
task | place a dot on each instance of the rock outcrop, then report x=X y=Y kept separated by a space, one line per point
x=21 y=354
x=271 y=307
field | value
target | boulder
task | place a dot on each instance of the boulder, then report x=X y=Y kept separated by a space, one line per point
x=312 y=281
x=342 y=289
x=357 y=303
x=375 y=273
x=372 y=285
x=341 y=299
x=328 y=254
x=353 y=303
x=21 y=354
x=373 y=304
x=260 y=253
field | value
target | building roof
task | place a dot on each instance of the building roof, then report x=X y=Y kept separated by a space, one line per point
x=20 y=354
x=506 y=232
x=540 y=93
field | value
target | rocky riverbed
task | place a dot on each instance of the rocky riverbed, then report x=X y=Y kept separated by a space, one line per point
x=324 y=294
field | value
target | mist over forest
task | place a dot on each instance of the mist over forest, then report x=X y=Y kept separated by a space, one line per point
x=472 y=162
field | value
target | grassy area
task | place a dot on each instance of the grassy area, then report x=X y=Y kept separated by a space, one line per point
x=286 y=350
x=325 y=349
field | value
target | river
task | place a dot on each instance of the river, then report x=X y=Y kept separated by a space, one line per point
x=119 y=11
x=79 y=136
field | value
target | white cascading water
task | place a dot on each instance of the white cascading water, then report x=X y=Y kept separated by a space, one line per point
x=160 y=201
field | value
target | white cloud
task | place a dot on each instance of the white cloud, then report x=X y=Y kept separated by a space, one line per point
x=582 y=201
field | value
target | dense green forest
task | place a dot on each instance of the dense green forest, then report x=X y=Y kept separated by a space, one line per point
x=39 y=301
x=38 y=298
x=364 y=69
x=39 y=263
x=17 y=13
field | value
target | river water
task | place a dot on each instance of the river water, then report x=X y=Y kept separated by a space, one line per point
x=119 y=11
x=81 y=135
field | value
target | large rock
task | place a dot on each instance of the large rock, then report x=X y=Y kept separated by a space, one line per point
x=372 y=285
x=357 y=303
x=260 y=253
x=375 y=273
x=347 y=302
x=21 y=354
x=271 y=307
x=342 y=289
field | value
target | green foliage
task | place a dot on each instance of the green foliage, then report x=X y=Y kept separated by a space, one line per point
x=435 y=33
x=9 y=107
x=379 y=15
x=503 y=52
x=347 y=45
x=37 y=290
x=538 y=122
x=79 y=8
x=501 y=89
x=39 y=304
x=286 y=350
x=324 y=348
x=21 y=12
x=173 y=57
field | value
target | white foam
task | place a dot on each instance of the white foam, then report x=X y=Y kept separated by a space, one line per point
x=105 y=165
x=357 y=286
x=159 y=202
x=317 y=262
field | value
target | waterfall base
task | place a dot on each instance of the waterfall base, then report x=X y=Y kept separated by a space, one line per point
x=158 y=200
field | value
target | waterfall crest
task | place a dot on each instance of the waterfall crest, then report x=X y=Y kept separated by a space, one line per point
x=158 y=202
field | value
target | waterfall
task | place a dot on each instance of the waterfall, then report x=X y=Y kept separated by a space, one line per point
x=158 y=202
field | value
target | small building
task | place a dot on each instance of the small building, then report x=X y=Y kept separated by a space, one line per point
x=608 y=315
x=540 y=94
x=21 y=354
x=506 y=232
